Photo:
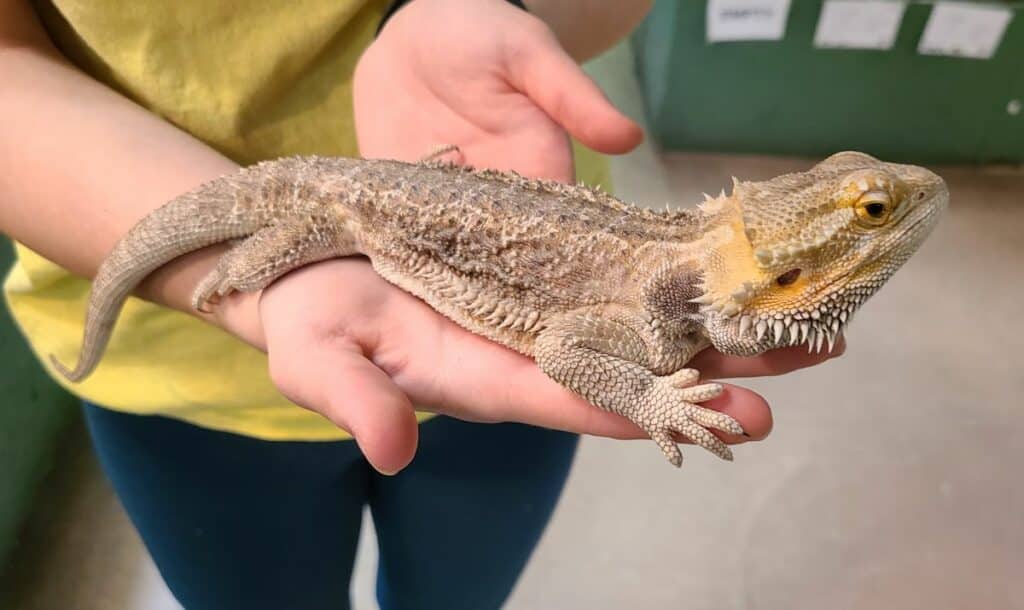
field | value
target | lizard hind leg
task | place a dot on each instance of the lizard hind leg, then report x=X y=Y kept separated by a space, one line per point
x=271 y=252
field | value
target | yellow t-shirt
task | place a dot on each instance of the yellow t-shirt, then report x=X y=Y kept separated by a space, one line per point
x=255 y=81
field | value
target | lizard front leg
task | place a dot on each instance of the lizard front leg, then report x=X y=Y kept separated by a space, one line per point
x=607 y=357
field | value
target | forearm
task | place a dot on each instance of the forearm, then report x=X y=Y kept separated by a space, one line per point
x=587 y=28
x=83 y=164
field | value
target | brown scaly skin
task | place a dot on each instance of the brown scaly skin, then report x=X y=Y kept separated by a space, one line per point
x=610 y=299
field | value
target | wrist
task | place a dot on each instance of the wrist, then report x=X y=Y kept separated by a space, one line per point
x=397 y=5
x=607 y=23
x=239 y=314
x=173 y=284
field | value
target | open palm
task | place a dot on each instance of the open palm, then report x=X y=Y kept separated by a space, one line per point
x=500 y=87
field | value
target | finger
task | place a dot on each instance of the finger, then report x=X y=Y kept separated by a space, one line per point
x=748 y=408
x=715 y=365
x=339 y=383
x=545 y=73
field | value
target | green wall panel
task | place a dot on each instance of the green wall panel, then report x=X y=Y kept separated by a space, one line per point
x=788 y=97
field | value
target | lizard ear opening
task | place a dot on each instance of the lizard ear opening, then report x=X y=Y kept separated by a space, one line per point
x=788 y=277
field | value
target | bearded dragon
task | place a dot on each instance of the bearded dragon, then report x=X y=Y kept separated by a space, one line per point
x=610 y=299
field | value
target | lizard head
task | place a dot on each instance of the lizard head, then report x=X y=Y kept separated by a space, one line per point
x=797 y=255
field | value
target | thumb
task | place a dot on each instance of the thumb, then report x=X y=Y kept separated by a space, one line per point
x=350 y=391
x=547 y=75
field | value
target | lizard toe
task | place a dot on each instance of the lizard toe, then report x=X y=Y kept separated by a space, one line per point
x=710 y=418
x=663 y=438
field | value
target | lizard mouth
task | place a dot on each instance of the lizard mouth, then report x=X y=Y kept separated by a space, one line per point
x=817 y=328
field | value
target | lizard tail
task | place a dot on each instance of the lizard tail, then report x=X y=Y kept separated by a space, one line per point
x=105 y=303
x=195 y=220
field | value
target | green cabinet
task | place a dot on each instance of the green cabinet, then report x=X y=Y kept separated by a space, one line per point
x=789 y=97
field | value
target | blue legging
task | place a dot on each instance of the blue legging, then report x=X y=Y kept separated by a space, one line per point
x=235 y=522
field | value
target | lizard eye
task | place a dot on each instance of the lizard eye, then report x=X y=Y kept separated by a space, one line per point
x=875 y=210
x=788 y=277
x=874 y=207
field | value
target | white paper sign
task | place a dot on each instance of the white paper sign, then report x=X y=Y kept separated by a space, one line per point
x=964 y=29
x=859 y=24
x=731 y=20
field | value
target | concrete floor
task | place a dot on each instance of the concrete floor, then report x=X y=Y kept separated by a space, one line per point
x=892 y=479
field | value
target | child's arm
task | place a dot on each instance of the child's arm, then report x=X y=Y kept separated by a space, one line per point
x=81 y=164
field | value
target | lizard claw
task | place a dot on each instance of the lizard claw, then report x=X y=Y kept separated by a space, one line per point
x=205 y=295
x=205 y=304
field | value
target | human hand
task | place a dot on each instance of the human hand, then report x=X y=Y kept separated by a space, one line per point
x=347 y=344
x=485 y=76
